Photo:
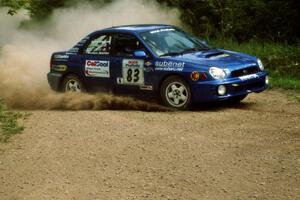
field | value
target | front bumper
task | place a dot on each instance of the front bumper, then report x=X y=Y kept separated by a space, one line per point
x=208 y=91
x=55 y=80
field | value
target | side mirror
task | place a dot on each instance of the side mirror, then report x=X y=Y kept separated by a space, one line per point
x=140 y=54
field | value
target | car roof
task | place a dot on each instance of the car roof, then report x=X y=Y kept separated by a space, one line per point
x=138 y=28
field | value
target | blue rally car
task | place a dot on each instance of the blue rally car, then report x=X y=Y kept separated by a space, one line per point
x=156 y=60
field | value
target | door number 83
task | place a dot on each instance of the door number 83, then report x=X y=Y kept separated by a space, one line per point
x=133 y=72
x=133 y=75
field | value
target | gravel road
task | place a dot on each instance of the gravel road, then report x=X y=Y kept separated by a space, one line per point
x=246 y=151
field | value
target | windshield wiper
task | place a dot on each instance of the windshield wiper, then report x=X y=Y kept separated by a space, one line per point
x=206 y=49
x=189 y=50
x=180 y=53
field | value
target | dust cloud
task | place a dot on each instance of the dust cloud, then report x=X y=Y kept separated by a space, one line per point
x=25 y=53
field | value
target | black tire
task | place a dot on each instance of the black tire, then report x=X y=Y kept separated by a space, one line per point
x=72 y=83
x=176 y=93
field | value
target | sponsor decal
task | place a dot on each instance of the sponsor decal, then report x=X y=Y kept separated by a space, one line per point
x=133 y=72
x=248 y=77
x=146 y=87
x=97 y=68
x=169 y=66
x=103 y=53
x=74 y=50
x=148 y=67
x=148 y=64
x=120 y=81
x=162 y=30
x=61 y=57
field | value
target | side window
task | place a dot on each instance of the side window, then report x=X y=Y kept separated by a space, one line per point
x=126 y=45
x=99 y=46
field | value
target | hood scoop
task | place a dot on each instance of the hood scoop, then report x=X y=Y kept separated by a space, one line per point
x=212 y=54
x=215 y=54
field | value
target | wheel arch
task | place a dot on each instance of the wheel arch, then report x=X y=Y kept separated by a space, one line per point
x=167 y=76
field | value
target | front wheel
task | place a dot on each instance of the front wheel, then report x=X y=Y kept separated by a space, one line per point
x=176 y=93
x=72 y=83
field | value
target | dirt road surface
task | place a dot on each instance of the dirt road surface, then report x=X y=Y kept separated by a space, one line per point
x=247 y=151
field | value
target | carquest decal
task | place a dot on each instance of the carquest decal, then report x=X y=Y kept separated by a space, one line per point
x=97 y=68
x=133 y=72
x=169 y=66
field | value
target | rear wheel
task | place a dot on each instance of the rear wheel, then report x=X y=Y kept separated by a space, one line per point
x=72 y=83
x=176 y=93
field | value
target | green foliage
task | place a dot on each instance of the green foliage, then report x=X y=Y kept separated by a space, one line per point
x=15 y=5
x=286 y=82
x=271 y=20
x=265 y=20
x=40 y=10
x=8 y=123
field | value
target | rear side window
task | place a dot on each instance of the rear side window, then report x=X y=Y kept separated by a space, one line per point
x=101 y=45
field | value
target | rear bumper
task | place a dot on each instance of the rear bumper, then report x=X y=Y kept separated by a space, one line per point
x=208 y=91
x=55 y=80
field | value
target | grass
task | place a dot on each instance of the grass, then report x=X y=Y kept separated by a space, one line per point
x=281 y=60
x=8 y=123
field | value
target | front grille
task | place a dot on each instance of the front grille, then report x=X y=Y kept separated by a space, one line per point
x=245 y=71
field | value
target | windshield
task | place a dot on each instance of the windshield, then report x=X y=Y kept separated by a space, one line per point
x=172 y=42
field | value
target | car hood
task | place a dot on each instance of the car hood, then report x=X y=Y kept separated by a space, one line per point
x=217 y=58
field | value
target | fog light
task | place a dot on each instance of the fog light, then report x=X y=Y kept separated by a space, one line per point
x=267 y=80
x=222 y=90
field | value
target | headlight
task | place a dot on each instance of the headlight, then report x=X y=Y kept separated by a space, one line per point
x=260 y=64
x=217 y=73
